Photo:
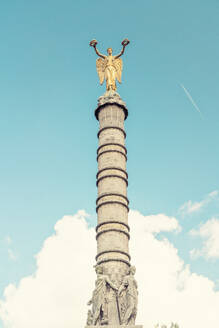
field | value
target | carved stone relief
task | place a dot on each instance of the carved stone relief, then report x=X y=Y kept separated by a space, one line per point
x=111 y=303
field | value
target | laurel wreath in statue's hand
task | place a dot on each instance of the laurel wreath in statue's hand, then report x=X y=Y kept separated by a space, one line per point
x=125 y=42
x=93 y=43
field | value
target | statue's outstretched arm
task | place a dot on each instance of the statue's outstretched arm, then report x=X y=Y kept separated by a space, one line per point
x=98 y=53
x=93 y=44
x=121 y=53
x=125 y=42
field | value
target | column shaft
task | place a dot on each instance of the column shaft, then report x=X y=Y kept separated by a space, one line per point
x=112 y=202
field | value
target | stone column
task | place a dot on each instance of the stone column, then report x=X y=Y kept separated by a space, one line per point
x=112 y=181
x=112 y=229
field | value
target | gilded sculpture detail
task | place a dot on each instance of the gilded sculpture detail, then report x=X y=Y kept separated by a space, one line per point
x=109 y=67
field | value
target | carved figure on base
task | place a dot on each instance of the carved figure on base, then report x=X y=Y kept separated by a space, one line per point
x=128 y=294
x=99 y=299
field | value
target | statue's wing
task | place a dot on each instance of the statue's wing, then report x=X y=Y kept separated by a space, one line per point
x=101 y=65
x=118 y=66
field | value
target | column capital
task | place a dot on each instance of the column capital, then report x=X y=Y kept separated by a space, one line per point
x=111 y=98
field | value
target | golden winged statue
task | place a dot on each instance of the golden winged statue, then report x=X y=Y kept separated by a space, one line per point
x=109 y=67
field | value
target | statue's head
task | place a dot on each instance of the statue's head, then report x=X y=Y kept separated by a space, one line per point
x=109 y=51
x=132 y=270
x=99 y=269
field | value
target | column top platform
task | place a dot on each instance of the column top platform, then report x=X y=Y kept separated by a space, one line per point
x=111 y=98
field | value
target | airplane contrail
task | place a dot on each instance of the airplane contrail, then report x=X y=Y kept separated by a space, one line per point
x=191 y=99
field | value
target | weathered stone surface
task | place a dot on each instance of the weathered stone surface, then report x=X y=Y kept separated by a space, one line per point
x=110 y=97
x=115 y=297
x=112 y=180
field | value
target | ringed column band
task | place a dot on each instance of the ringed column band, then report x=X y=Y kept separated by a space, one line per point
x=112 y=204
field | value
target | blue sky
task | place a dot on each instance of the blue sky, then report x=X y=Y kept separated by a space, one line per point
x=49 y=90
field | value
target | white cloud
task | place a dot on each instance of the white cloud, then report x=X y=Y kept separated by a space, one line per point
x=158 y=223
x=209 y=232
x=56 y=294
x=192 y=207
